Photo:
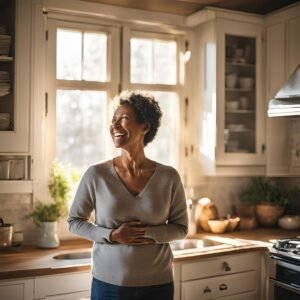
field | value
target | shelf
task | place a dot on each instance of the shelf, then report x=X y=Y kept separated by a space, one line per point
x=240 y=89
x=237 y=64
x=16 y=186
x=6 y=58
x=242 y=130
x=239 y=111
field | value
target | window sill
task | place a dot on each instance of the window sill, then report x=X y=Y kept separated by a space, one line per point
x=16 y=186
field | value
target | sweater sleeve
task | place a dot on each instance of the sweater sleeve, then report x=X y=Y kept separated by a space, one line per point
x=81 y=209
x=177 y=225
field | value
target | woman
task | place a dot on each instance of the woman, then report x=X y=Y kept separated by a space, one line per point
x=139 y=208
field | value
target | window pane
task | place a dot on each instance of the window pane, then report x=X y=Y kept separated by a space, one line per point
x=81 y=129
x=95 y=56
x=152 y=61
x=164 y=148
x=68 y=62
x=164 y=62
x=141 y=60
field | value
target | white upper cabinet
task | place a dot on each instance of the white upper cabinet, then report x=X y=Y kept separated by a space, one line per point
x=240 y=105
x=14 y=105
x=282 y=58
x=227 y=110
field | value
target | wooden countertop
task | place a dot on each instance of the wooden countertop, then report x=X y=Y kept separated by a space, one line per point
x=29 y=261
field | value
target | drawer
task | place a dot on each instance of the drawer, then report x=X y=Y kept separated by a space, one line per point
x=220 y=266
x=222 y=286
x=62 y=284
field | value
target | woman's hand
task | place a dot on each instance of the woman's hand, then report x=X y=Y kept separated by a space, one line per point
x=131 y=233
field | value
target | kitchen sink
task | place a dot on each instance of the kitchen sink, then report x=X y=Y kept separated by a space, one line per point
x=75 y=255
x=176 y=246
x=193 y=244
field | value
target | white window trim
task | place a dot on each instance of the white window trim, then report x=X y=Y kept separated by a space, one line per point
x=42 y=153
x=128 y=33
x=53 y=84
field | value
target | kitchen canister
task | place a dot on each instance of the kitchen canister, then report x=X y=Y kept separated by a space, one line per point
x=6 y=233
x=48 y=237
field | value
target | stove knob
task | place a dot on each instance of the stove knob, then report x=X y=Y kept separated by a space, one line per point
x=280 y=244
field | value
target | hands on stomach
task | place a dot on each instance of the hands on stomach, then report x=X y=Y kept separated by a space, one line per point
x=130 y=233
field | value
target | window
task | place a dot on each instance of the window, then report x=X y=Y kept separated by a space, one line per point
x=80 y=84
x=151 y=62
x=84 y=74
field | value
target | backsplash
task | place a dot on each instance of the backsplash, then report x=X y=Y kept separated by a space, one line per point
x=223 y=191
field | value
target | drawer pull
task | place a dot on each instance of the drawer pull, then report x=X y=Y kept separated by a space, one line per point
x=223 y=287
x=207 y=290
x=226 y=267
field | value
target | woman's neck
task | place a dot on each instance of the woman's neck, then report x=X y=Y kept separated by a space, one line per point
x=133 y=162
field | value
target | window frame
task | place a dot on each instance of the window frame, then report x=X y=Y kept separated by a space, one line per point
x=178 y=88
x=110 y=86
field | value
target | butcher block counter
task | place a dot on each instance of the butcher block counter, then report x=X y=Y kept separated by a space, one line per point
x=29 y=261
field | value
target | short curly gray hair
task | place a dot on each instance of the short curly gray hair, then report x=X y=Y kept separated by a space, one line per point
x=146 y=108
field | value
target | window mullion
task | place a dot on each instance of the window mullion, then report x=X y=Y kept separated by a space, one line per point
x=82 y=53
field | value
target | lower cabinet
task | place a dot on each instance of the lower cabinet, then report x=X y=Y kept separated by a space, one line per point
x=21 y=289
x=217 y=287
x=72 y=286
x=234 y=277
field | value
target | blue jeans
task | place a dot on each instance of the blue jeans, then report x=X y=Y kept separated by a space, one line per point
x=106 y=291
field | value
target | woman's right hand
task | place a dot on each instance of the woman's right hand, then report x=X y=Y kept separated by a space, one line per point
x=130 y=233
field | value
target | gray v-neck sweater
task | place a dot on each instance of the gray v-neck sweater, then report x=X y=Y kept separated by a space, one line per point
x=161 y=206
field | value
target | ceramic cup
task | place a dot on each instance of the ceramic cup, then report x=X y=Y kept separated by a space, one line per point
x=244 y=102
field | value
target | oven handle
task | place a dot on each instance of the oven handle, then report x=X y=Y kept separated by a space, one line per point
x=284 y=263
x=285 y=286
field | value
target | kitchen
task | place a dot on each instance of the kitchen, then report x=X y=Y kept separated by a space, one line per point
x=215 y=164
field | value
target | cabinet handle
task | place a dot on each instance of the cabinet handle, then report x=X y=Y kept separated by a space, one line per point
x=207 y=290
x=223 y=287
x=226 y=267
x=263 y=148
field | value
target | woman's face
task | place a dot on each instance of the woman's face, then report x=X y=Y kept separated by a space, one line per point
x=125 y=129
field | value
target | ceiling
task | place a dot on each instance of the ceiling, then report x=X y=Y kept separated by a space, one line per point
x=187 y=7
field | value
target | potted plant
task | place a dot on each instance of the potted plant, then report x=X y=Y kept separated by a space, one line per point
x=269 y=200
x=46 y=215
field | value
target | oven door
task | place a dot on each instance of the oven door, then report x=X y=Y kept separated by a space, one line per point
x=284 y=282
x=282 y=291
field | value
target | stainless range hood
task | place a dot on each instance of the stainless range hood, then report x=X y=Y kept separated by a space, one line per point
x=286 y=102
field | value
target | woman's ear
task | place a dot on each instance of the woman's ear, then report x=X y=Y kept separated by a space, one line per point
x=146 y=127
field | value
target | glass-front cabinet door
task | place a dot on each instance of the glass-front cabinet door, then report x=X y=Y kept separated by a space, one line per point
x=240 y=106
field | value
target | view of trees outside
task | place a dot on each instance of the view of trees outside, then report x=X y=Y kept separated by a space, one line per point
x=165 y=145
x=152 y=61
x=81 y=55
x=81 y=127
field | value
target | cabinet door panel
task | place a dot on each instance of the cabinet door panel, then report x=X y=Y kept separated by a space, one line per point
x=213 y=288
x=62 y=284
x=72 y=296
x=243 y=296
x=16 y=290
x=219 y=266
x=293 y=44
x=240 y=109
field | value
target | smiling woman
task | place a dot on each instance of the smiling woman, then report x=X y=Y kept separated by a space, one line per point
x=139 y=206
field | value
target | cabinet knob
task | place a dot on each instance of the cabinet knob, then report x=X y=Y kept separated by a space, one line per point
x=207 y=290
x=223 y=287
x=226 y=267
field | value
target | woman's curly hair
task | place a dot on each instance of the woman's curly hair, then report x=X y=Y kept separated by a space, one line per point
x=146 y=108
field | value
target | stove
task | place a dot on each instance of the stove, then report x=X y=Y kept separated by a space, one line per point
x=284 y=270
x=288 y=249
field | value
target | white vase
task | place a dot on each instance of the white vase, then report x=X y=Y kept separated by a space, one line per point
x=48 y=237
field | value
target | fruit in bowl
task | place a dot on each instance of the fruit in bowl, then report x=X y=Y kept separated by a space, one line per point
x=289 y=222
